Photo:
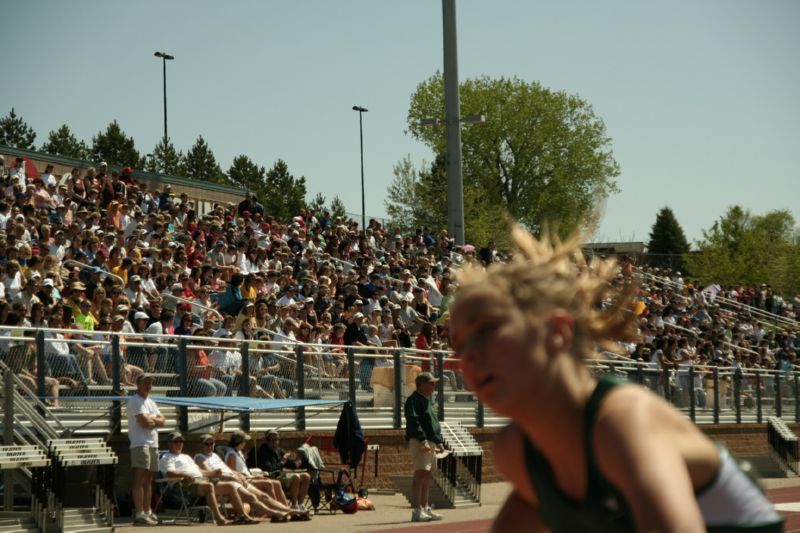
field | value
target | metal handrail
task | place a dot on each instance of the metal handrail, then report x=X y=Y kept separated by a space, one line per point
x=195 y=304
x=31 y=396
x=767 y=316
x=106 y=272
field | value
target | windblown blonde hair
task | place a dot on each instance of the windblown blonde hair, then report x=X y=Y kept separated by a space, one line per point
x=548 y=274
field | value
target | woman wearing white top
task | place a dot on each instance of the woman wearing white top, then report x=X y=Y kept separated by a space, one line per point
x=235 y=460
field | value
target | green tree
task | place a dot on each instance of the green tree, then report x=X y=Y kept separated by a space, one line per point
x=15 y=132
x=668 y=243
x=401 y=196
x=751 y=249
x=284 y=195
x=317 y=204
x=202 y=165
x=114 y=147
x=541 y=156
x=338 y=209
x=418 y=198
x=247 y=174
x=166 y=159
x=63 y=142
x=431 y=196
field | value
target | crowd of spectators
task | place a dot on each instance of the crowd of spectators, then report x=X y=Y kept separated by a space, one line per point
x=684 y=324
x=94 y=252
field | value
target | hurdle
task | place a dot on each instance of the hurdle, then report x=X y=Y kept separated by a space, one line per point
x=66 y=454
x=34 y=459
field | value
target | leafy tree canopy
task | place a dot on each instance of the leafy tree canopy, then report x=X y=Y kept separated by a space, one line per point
x=541 y=156
x=750 y=249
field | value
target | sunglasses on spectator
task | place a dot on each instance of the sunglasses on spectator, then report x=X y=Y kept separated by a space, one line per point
x=208 y=443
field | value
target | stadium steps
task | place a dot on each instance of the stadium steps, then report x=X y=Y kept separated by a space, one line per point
x=436 y=497
x=83 y=520
x=17 y=523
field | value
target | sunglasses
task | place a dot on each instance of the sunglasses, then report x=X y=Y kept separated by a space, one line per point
x=210 y=443
x=178 y=441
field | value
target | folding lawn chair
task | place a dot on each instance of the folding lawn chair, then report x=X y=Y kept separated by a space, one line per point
x=174 y=504
x=325 y=482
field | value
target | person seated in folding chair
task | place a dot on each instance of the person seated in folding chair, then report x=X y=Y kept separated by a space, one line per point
x=234 y=459
x=261 y=502
x=275 y=463
x=179 y=465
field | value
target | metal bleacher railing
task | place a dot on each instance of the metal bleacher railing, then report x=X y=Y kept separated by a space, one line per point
x=760 y=315
x=62 y=376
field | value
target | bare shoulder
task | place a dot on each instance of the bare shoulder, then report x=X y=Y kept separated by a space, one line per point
x=509 y=459
x=637 y=408
x=634 y=425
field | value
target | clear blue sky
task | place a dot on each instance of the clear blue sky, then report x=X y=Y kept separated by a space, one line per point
x=700 y=98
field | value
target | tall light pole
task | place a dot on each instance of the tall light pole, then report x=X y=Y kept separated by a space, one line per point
x=164 y=57
x=361 y=111
x=452 y=119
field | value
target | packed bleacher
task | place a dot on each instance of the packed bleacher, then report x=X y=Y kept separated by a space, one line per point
x=96 y=254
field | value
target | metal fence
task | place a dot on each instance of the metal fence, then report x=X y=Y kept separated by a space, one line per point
x=61 y=364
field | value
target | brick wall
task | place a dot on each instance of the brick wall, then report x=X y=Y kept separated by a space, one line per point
x=745 y=440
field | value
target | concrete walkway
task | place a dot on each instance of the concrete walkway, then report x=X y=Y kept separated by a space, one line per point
x=391 y=512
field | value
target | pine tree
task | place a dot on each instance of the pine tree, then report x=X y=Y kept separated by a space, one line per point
x=667 y=241
x=284 y=195
x=338 y=209
x=202 y=165
x=114 y=147
x=63 y=142
x=14 y=132
x=166 y=159
x=247 y=175
x=401 y=197
x=317 y=204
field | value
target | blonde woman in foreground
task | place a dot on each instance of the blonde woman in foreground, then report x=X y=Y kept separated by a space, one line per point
x=585 y=454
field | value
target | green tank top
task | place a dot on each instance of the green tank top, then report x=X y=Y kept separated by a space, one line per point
x=604 y=508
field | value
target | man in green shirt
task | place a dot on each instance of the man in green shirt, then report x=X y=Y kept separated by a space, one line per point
x=424 y=437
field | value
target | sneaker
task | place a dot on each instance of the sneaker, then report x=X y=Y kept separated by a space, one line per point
x=419 y=515
x=152 y=516
x=143 y=520
x=433 y=516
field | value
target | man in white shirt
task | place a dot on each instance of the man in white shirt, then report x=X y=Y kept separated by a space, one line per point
x=143 y=419
x=58 y=247
x=176 y=464
x=288 y=296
